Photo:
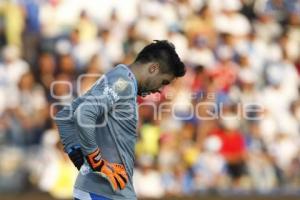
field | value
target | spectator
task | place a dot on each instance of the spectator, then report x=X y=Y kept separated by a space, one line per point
x=147 y=176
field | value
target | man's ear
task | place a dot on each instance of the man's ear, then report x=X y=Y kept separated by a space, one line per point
x=154 y=68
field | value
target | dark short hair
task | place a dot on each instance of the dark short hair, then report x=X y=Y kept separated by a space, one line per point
x=164 y=53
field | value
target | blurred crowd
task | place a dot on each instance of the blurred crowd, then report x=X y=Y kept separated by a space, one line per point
x=232 y=124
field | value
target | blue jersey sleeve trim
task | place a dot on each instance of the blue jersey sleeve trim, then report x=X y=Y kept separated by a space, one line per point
x=98 y=197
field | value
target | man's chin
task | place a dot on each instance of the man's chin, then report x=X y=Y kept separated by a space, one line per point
x=143 y=94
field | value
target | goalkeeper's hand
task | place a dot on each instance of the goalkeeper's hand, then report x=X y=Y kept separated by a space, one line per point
x=113 y=172
x=76 y=156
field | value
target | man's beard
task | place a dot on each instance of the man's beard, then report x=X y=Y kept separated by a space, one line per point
x=142 y=91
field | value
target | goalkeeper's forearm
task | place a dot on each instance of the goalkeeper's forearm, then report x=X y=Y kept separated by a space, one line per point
x=67 y=129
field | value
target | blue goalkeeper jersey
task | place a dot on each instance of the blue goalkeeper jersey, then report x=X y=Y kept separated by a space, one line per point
x=105 y=117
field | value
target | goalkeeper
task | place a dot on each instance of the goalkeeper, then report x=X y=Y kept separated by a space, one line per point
x=98 y=130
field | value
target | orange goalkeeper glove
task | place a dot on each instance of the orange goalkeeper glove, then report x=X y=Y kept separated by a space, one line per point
x=113 y=172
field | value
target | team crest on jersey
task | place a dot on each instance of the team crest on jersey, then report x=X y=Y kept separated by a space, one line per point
x=120 y=85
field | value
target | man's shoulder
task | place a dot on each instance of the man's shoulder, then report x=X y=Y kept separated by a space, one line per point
x=120 y=71
x=119 y=80
x=116 y=84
